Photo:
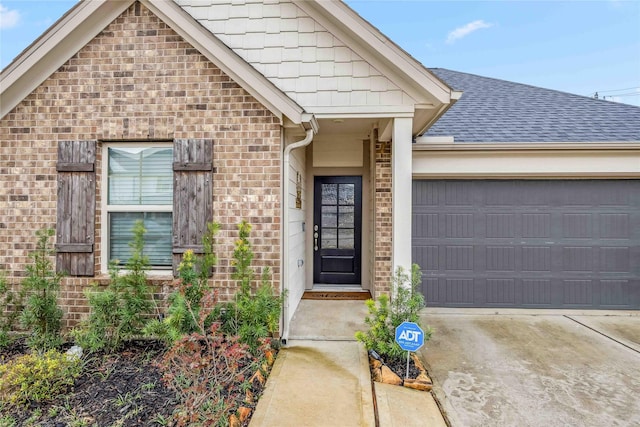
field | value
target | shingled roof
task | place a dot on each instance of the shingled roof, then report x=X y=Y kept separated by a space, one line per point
x=493 y=111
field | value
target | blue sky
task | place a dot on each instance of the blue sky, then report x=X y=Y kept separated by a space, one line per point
x=574 y=46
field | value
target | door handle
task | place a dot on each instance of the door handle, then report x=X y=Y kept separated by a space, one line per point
x=315 y=238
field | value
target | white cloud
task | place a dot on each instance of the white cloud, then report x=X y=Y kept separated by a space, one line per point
x=8 y=18
x=467 y=29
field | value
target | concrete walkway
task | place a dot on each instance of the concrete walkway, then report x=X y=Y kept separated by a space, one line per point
x=321 y=378
x=315 y=383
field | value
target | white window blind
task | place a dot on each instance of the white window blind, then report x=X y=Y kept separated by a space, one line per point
x=140 y=176
x=140 y=187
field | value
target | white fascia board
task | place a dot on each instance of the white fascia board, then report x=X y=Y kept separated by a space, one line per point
x=59 y=43
x=434 y=140
x=228 y=61
x=433 y=144
x=372 y=45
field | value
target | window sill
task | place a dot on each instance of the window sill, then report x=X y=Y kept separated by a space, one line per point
x=153 y=276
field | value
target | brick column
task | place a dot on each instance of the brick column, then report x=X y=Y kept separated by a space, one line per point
x=383 y=219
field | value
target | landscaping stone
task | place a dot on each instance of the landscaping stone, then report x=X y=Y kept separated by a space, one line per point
x=387 y=376
x=374 y=364
x=424 y=377
x=75 y=352
x=376 y=375
x=417 y=384
x=417 y=362
x=383 y=374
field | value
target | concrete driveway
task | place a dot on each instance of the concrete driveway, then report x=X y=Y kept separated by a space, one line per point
x=522 y=368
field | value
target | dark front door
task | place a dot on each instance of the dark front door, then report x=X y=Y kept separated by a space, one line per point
x=337 y=229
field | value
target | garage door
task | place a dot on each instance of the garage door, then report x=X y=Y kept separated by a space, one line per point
x=528 y=243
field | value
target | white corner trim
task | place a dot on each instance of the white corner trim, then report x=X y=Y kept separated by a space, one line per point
x=286 y=161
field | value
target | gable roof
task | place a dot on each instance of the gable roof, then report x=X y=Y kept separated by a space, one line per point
x=499 y=111
x=326 y=57
x=87 y=19
x=392 y=83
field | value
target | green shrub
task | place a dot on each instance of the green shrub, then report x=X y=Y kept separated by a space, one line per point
x=10 y=308
x=36 y=377
x=206 y=370
x=120 y=311
x=253 y=316
x=41 y=315
x=385 y=316
x=185 y=302
x=101 y=329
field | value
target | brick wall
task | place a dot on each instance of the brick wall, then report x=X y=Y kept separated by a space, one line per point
x=383 y=219
x=139 y=80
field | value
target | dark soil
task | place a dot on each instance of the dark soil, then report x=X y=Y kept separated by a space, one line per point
x=118 y=389
x=123 y=388
x=399 y=367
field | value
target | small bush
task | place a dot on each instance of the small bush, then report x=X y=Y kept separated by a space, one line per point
x=10 y=308
x=41 y=315
x=253 y=315
x=34 y=377
x=385 y=316
x=204 y=368
x=185 y=302
x=120 y=311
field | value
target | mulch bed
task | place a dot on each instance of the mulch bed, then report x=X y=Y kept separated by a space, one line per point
x=122 y=388
x=399 y=367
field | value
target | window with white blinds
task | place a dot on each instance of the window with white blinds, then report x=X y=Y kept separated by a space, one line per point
x=140 y=187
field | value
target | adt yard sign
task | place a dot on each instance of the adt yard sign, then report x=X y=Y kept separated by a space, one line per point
x=409 y=336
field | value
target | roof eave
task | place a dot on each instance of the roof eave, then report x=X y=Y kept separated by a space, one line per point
x=409 y=74
x=420 y=128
